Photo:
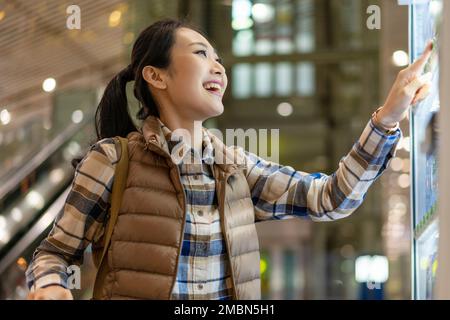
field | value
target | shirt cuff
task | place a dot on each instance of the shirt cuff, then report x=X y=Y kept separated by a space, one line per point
x=382 y=129
x=51 y=279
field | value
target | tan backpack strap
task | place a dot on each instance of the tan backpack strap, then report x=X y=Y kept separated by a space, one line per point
x=120 y=180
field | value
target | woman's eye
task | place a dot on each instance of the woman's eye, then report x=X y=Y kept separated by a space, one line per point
x=202 y=52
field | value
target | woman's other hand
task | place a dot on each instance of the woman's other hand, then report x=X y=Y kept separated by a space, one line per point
x=51 y=293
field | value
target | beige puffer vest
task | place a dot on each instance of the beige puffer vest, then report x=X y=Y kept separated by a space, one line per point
x=146 y=242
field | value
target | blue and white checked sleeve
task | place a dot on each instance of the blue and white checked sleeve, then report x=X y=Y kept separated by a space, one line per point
x=281 y=192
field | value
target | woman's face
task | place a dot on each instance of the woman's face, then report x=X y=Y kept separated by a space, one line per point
x=195 y=80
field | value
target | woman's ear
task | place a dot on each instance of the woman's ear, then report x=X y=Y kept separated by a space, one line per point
x=154 y=77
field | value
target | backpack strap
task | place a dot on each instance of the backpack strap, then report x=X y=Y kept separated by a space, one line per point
x=120 y=180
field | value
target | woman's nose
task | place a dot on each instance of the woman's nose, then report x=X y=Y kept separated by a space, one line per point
x=217 y=68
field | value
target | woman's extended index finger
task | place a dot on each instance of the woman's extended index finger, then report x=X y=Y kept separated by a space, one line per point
x=419 y=64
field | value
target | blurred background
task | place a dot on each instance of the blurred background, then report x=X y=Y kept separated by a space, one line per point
x=311 y=68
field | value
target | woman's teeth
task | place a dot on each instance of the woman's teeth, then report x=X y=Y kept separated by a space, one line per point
x=212 y=86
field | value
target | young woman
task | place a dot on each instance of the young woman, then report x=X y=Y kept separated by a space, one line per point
x=186 y=229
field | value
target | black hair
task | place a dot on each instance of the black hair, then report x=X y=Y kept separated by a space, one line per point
x=152 y=47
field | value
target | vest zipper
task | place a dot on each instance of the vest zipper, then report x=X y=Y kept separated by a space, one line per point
x=222 y=224
x=182 y=232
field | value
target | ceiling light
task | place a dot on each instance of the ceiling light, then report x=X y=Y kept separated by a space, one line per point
x=400 y=58
x=285 y=109
x=49 y=85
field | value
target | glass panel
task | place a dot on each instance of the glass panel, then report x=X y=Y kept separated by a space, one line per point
x=305 y=37
x=263 y=47
x=263 y=13
x=425 y=18
x=306 y=83
x=241 y=15
x=427 y=245
x=243 y=43
x=243 y=39
x=284 y=44
x=284 y=79
x=263 y=80
x=241 y=86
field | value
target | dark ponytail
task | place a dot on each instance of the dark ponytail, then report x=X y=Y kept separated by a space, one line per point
x=112 y=117
x=152 y=47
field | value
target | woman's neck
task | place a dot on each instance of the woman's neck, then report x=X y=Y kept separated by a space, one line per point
x=190 y=130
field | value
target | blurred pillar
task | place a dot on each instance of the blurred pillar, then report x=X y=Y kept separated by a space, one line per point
x=276 y=275
x=317 y=275
x=394 y=36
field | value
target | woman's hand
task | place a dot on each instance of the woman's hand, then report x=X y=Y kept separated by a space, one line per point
x=409 y=88
x=51 y=293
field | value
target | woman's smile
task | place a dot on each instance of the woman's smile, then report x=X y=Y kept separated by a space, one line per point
x=214 y=87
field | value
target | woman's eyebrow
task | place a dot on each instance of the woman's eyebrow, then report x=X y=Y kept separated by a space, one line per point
x=202 y=44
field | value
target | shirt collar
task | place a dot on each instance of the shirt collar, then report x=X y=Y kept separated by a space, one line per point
x=214 y=150
x=183 y=149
